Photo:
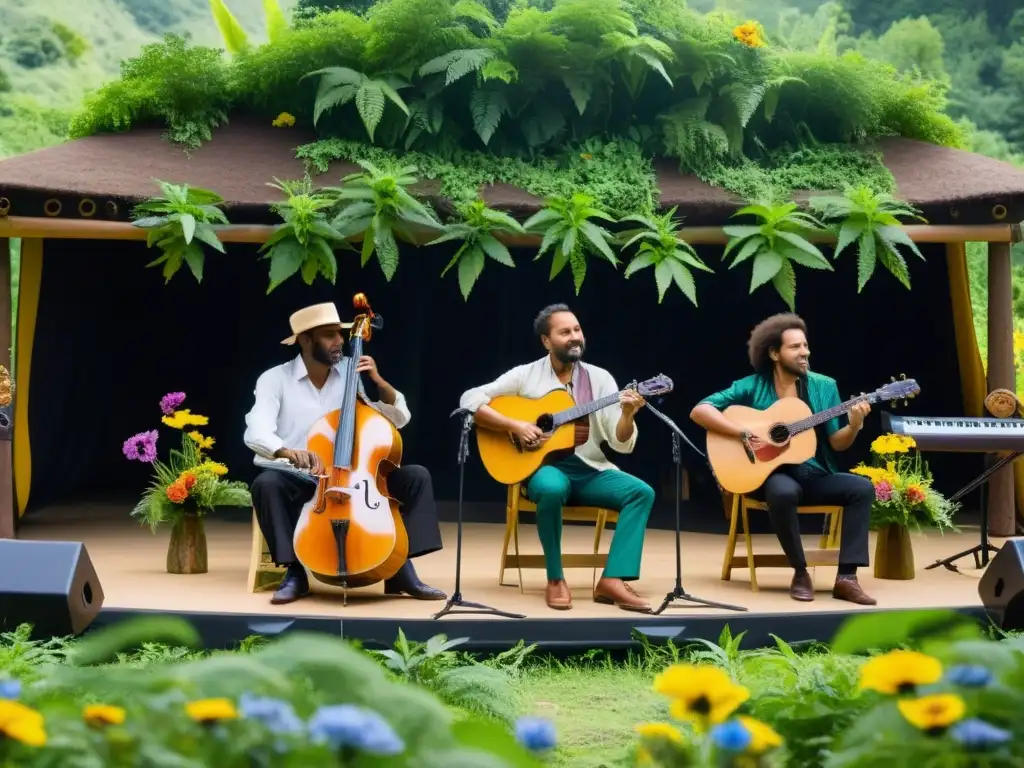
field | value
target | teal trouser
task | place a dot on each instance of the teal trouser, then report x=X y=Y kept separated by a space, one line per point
x=572 y=480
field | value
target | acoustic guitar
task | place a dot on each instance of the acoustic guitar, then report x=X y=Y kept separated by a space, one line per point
x=788 y=427
x=508 y=461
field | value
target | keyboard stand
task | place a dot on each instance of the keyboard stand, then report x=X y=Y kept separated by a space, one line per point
x=979 y=551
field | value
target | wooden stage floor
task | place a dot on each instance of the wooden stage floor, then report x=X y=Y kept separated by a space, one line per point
x=129 y=560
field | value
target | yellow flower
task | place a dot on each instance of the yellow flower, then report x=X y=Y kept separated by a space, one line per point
x=202 y=442
x=703 y=694
x=762 y=736
x=664 y=731
x=185 y=418
x=20 y=723
x=213 y=467
x=1018 y=342
x=933 y=714
x=899 y=672
x=643 y=757
x=888 y=445
x=211 y=710
x=98 y=715
x=283 y=120
x=749 y=34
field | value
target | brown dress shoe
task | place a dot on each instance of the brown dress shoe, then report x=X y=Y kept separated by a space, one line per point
x=802 y=587
x=558 y=596
x=848 y=588
x=618 y=593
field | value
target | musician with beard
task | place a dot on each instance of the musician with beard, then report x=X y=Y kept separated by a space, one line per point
x=586 y=477
x=290 y=399
x=779 y=355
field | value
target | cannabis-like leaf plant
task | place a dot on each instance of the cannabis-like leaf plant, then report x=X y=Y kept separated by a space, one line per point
x=775 y=244
x=565 y=223
x=178 y=222
x=871 y=221
x=662 y=248
x=476 y=229
x=378 y=205
x=305 y=241
x=340 y=85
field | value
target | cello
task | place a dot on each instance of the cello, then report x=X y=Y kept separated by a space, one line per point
x=350 y=533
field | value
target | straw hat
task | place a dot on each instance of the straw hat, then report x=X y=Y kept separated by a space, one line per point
x=313 y=317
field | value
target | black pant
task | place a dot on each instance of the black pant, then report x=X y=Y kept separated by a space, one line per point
x=806 y=485
x=278 y=498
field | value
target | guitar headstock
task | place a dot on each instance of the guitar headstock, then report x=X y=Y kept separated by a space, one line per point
x=654 y=386
x=898 y=389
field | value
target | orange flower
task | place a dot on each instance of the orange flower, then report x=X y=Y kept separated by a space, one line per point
x=749 y=34
x=177 y=492
x=188 y=479
x=915 y=494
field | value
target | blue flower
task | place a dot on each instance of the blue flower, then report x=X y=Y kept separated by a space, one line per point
x=732 y=736
x=536 y=733
x=977 y=734
x=10 y=689
x=278 y=716
x=346 y=725
x=969 y=675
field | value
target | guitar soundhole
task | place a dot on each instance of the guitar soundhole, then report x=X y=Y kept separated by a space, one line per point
x=546 y=422
x=778 y=433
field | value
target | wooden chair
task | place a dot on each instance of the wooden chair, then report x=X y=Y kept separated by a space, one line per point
x=517 y=503
x=828 y=554
x=263 y=574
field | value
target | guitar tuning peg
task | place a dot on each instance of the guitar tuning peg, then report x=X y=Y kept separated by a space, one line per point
x=903 y=376
x=892 y=379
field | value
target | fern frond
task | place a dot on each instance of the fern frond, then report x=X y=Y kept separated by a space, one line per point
x=487 y=106
x=457 y=64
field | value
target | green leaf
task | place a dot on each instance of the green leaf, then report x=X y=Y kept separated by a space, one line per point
x=848 y=233
x=799 y=242
x=752 y=246
x=387 y=250
x=596 y=236
x=194 y=258
x=470 y=266
x=865 y=258
x=684 y=279
x=662 y=277
x=766 y=265
x=578 y=262
x=890 y=629
x=640 y=261
x=285 y=259
x=486 y=107
x=899 y=236
x=496 y=250
x=102 y=645
x=207 y=234
x=188 y=226
x=784 y=282
x=370 y=103
x=581 y=88
x=492 y=737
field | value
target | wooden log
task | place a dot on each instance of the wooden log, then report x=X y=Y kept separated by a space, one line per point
x=1002 y=374
x=6 y=464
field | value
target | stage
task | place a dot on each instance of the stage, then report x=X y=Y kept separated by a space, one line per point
x=130 y=563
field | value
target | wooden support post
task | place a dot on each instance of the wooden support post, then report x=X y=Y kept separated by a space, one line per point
x=6 y=444
x=1001 y=375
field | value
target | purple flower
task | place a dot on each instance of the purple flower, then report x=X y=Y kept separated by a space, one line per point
x=969 y=675
x=731 y=736
x=977 y=735
x=141 y=447
x=883 y=491
x=352 y=727
x=10 y=689
x=278 y=716
x=536 y=733
x=171 y=402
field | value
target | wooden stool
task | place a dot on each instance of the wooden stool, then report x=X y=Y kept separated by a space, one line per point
x=263 y=574
x=828 y=554
x=516 y=502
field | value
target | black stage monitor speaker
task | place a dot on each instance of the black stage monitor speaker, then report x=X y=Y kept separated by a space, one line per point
x=51 y=585
x=1002 y=586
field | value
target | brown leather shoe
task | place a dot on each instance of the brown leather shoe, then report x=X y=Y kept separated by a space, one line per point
x=618 y=593
x=558 y=596
x=848 y=588
x=802 y=587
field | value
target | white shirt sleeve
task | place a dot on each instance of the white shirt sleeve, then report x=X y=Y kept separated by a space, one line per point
x=609 y=417
x=396 y=412
x=506 y=384
x=261 y=421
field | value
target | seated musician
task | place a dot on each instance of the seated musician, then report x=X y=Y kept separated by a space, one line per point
x=290 y=398
x=585 y=477
x=779 y=356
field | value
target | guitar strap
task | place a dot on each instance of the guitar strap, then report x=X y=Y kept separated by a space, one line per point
x=582 y=390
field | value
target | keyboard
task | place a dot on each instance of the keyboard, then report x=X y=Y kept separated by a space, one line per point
x=959 y=433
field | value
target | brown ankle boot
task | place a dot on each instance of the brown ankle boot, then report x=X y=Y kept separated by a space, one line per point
x=557 y=595
x=618 y=593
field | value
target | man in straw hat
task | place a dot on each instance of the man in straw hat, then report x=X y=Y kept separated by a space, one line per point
x=290 y=398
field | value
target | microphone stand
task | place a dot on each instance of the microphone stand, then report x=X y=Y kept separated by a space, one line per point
x=455 y=603
x=678 y=593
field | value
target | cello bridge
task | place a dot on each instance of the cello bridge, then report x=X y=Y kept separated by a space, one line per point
x=337 y=493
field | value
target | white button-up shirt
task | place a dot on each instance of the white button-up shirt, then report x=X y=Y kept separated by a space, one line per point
x=288 y=405
x=536 y=379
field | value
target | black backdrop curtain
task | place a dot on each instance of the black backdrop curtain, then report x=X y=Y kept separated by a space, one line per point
x=111 y=338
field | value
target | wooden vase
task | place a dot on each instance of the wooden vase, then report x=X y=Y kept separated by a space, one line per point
x=894 y=553
x=186 y=552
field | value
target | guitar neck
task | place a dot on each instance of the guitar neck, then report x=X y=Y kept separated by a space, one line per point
x=820 y=418
x=579 y=411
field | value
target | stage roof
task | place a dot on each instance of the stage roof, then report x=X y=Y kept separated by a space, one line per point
x=950 y=186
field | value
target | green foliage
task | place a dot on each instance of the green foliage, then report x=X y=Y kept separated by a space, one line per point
x=775 y=244
x=340 y=85
x=235 y=39
x=476 y=228
x=662 y=247
x=26 y=125
x=567 y=230
x=179 y=223
x=306 y=241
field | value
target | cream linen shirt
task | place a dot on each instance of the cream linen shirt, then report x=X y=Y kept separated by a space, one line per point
x=538 y=378
x=288 y=405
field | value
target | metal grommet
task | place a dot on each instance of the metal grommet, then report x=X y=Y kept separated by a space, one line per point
x=111 y=208
x=999 y=212
x=52 y=207
x=86 y=207
x=954 y=212
x=5 y=206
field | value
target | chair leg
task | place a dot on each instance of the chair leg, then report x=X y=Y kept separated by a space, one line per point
x=730 y=544
x=602 y=519
x=509 y=525
x=750 y=548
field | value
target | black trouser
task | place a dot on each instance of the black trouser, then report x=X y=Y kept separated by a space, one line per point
x=806 y=485
x=278 y=498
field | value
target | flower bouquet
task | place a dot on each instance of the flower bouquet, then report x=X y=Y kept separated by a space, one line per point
x=185 y=488
x=904 y=499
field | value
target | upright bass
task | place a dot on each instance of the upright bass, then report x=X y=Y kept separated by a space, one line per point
x=351 y=534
